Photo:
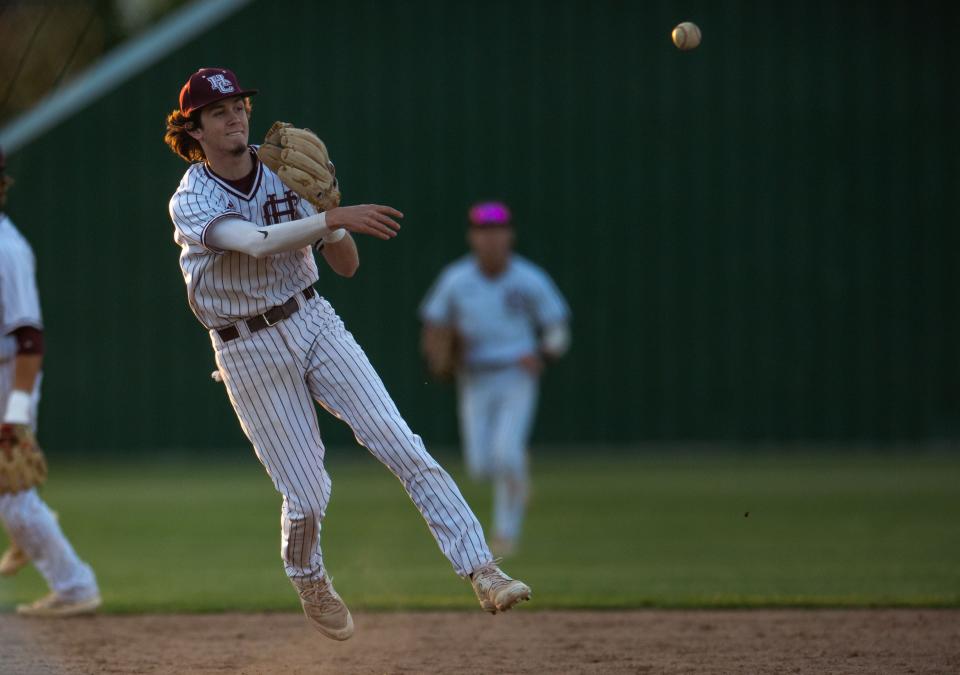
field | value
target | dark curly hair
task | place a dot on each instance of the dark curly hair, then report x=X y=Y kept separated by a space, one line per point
x=182 y=143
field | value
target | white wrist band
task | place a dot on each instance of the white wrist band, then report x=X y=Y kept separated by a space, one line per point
x=556 y=340
x=334 y=236
x=18 y=408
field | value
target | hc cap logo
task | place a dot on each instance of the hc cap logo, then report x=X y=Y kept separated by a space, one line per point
x=219 y=82
x=209 y=85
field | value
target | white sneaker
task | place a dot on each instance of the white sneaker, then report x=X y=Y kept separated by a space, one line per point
x=324 y=608
x=13 y=560
x=55 y=605
x=495 y=590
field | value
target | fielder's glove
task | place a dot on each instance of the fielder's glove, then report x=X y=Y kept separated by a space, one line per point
x=443 y=352
x=301 y=161
x=22 y=464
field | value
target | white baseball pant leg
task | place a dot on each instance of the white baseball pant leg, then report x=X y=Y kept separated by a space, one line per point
x=31 y=523
x=266 y=385
x=497 y=410
x=476 y=406
x=308 y=356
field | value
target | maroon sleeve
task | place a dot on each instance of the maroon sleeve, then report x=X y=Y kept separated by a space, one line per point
x=29 y=340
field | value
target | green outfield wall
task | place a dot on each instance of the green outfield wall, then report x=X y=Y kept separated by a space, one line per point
x=758 y=239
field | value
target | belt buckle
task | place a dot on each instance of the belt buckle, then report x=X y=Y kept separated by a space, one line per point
x=283 y=311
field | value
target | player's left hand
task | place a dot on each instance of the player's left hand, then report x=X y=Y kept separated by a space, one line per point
x=373 y=219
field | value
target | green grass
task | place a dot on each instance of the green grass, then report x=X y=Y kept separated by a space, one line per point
x=665 y=530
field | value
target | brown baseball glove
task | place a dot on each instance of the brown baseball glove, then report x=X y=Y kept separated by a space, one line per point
x=22 y=464
x=301 y=160
x=442 y=349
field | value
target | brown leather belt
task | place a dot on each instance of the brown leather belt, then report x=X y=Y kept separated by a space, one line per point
x=270 y=317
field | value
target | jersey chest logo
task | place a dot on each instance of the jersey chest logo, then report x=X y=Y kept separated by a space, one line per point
x=277 y=209
x=515 y=301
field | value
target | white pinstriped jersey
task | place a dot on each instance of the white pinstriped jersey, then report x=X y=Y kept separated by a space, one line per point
x=226 y=286
x=19 y=300
x=498 y=318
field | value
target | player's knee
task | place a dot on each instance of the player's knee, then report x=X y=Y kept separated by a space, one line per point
x=421 y=467
x=312 y=513
x=421 y=463
x=478 y=466
x=19 y=510
x=508 y=466
x=307 y=498
x=309 y=508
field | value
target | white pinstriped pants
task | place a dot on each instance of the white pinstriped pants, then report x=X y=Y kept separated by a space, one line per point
x=273 y=377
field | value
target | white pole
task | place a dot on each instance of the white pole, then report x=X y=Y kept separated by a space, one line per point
x=116 y=68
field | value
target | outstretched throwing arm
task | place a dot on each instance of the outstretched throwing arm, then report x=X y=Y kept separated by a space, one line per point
x=236 y=234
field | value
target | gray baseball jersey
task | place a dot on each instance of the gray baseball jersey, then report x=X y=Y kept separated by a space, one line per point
x=498 y=318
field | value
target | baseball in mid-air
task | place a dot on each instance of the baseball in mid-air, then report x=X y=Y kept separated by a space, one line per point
x=686 y=36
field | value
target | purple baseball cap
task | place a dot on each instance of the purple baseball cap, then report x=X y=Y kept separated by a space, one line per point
x=490 y=214
x=209 y=85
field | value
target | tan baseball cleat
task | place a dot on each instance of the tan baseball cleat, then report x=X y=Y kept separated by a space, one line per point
x=14 y=559
x=495 y=590
x=54 y=605
x=324 y=608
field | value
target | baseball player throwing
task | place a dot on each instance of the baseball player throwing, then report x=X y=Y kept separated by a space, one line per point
x=247 y=242
x=507 y=317
x=33 y=530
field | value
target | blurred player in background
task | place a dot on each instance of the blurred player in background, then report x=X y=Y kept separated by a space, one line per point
x=32 y=527
x=494 y=318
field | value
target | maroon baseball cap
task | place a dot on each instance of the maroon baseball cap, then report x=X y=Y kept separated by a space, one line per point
x=209 y=85
x=490 y=214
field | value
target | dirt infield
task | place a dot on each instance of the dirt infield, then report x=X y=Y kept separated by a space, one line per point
x=646 y=641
